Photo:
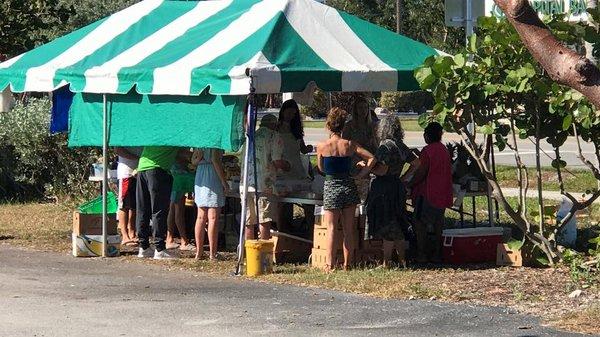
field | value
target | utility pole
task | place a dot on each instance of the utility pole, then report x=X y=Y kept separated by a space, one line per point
x=398 y=15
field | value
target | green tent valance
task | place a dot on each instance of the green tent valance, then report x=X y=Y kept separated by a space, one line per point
x=139 y=120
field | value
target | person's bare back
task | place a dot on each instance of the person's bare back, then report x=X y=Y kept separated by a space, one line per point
x=336 y=147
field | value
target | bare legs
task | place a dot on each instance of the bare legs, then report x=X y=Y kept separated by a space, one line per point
x=264 y=231
x=332 y=218
x=177 y=218
x=126 y=219
x=206 y=216
x=349 y=236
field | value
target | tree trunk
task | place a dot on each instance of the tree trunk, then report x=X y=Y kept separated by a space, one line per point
x=562 y=64
x=519 y=218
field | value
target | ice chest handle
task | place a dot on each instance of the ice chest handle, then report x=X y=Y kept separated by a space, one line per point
x=448 y=240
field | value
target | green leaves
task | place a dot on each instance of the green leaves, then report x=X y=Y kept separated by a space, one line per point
x=559 y=163
x=473 y=43
x=425 y=77
x=515 y=245
x=442 y=65
x=567 y=121
x=459 y=60
x=487 y=129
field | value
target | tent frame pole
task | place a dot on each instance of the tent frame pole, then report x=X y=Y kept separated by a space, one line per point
x=104 y=174
x=250 y=123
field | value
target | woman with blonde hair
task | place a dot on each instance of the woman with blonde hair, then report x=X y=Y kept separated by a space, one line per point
x=340 y=196
x=360 y=129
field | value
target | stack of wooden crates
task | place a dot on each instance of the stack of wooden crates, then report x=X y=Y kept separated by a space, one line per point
x=367 y=251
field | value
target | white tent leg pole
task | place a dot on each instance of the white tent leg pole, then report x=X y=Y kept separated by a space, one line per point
x=244 y=192
x=104 y=174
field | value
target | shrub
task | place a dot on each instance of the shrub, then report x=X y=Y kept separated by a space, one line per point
x=320 y=105
x=417 y=101
x=35 y=164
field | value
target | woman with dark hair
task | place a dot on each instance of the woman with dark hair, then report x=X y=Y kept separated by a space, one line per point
x=386 y=202
x=292 y=133
x=340 y=196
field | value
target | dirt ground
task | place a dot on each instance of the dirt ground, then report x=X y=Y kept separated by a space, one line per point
x=540 y=292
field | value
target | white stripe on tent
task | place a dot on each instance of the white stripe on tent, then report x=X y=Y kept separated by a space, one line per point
x=104 y=78
x=340 y=48
x=266 y=75
x=10 y=62
x=175 y=78
x=41 y=78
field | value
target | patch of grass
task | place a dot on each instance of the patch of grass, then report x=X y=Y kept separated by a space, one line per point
x=481 y=206
x=584 y=321
x=39 y=226
x=409 y=124
x=314 y=124
x=579 y=181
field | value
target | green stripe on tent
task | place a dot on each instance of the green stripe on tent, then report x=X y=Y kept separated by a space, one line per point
x=143 y=74
x=155 y=20
x=405 y=55
x=297 y=60
x=41 y=55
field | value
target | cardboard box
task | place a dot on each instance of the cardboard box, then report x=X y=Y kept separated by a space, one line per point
x=319 y=258
x=91 y=224
x=369 y=256
x=360 y=217
x=91 y=245
x=507 y=257
x=289 y=250
x=320 y=238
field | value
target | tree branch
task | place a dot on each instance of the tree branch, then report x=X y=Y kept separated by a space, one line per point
x=583 y=159
x=562 y=64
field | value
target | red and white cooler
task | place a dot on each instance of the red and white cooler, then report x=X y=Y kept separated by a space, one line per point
x=471 y=245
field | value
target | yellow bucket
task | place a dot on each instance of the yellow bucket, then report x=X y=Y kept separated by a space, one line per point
x=259 y=257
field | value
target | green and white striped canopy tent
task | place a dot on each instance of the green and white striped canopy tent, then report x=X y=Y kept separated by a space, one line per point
x=183 y=48
x=165 y=50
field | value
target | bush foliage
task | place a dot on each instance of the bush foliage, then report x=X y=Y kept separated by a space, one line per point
x=35 y=164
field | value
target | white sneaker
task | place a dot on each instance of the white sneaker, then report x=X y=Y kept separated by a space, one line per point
x=189 y=247
x=165 y=255
x=145 y=253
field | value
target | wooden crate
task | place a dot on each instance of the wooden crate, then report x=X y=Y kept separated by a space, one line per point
x=288 y=250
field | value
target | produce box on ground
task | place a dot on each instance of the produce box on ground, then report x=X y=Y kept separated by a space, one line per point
x=88 y=218
x=508 y=257
x=91 y=245
x=289 y=250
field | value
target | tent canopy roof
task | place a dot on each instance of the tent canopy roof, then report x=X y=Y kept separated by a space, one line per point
x=185 y=47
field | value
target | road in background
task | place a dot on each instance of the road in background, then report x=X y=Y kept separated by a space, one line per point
x=506 y=157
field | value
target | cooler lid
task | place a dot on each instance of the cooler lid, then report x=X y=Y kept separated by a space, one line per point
x=478 y=231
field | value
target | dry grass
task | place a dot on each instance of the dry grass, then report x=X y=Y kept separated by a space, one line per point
x=39 y=226
x=541 y=292
x=585 y=321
